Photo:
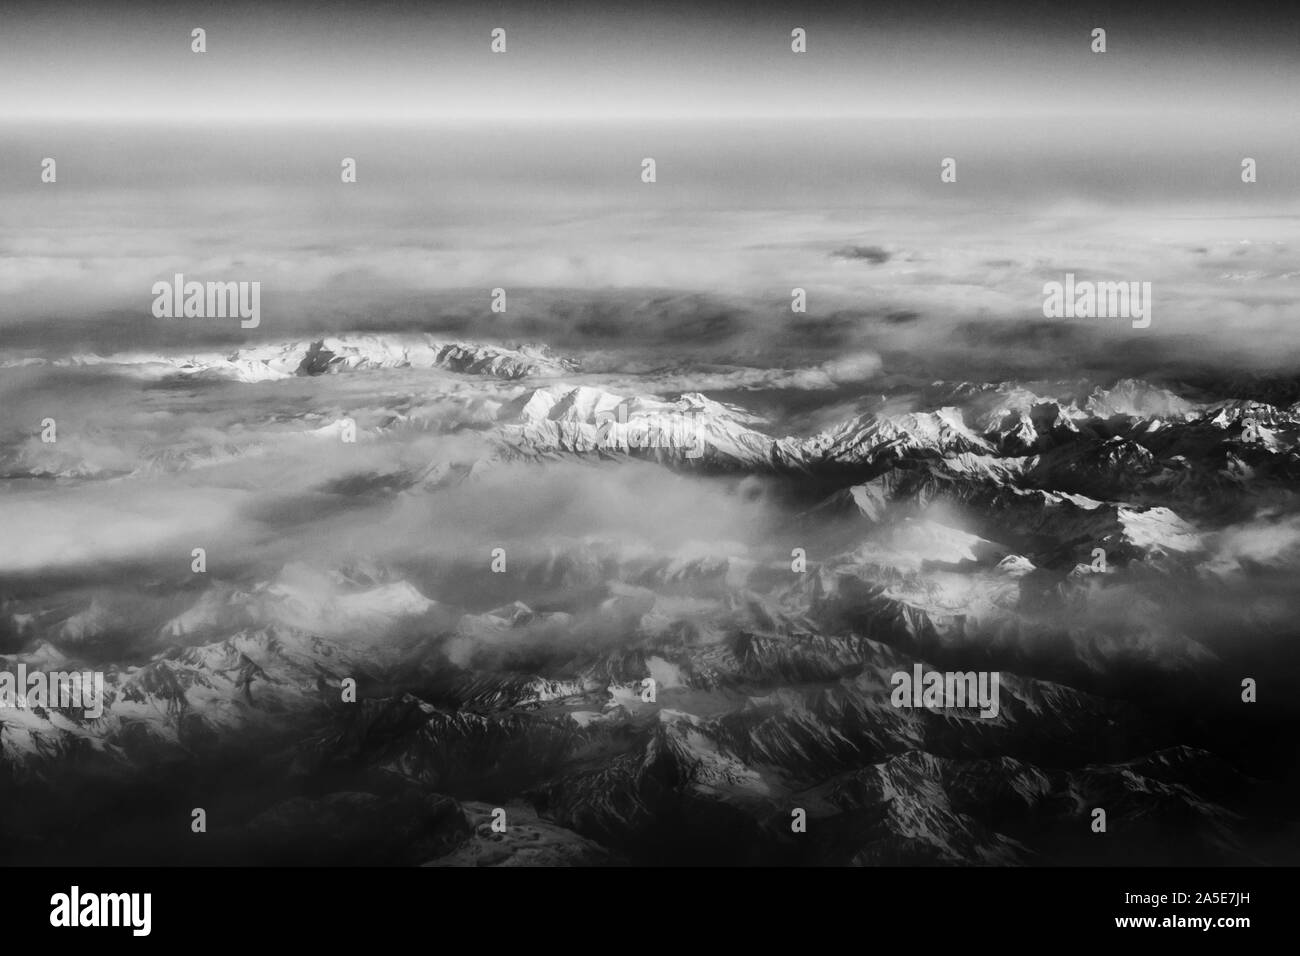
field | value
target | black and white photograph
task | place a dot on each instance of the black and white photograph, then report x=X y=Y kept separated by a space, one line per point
x=445 y=435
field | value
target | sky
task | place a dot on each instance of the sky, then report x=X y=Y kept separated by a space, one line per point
x=414 y=64
x=522 y=170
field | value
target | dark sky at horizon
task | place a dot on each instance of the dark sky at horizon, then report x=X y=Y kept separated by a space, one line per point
x=411 y=63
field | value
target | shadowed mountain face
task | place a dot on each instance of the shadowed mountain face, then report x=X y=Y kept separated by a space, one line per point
x=653 y=611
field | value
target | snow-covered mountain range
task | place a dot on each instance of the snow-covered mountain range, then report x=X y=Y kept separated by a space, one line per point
x=1120 y=553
